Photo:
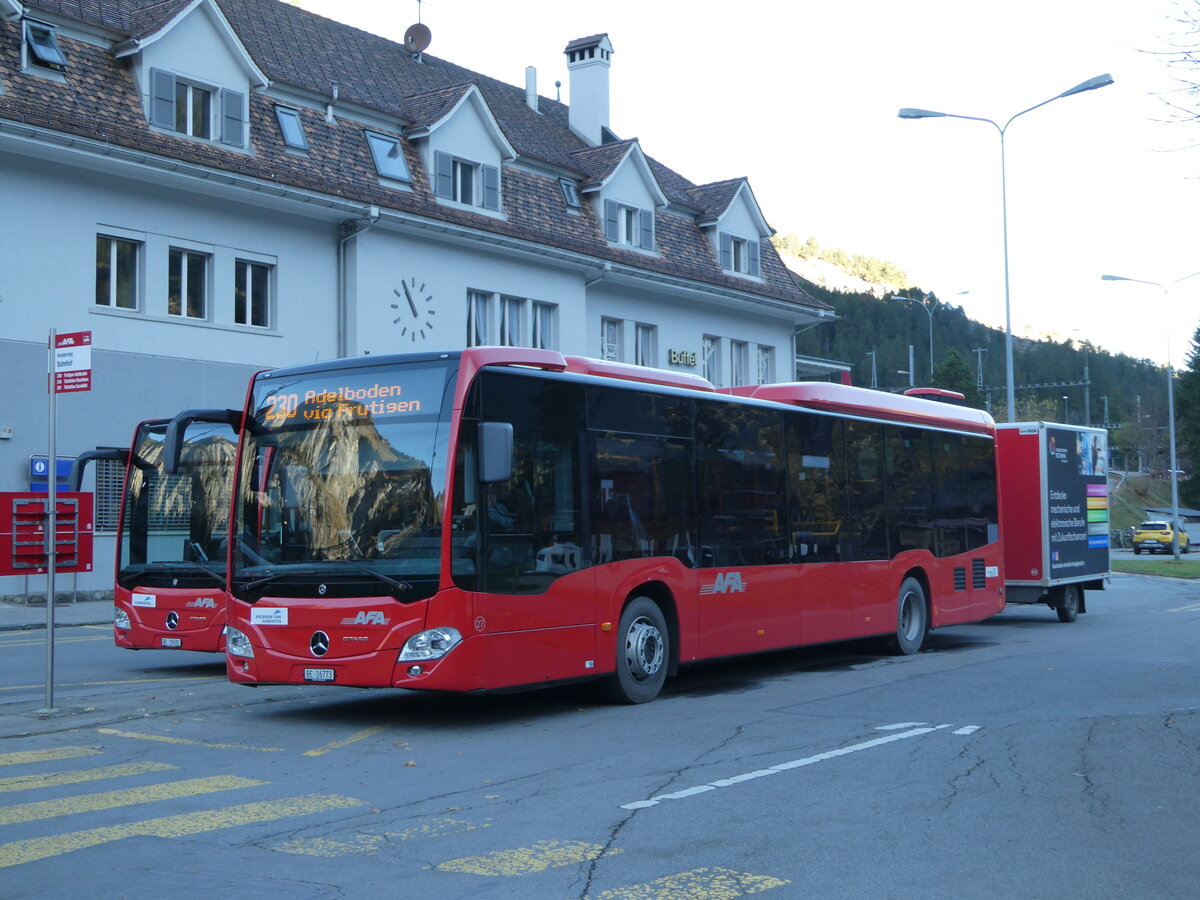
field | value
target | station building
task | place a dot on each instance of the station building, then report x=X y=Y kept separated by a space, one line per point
x=214 y=187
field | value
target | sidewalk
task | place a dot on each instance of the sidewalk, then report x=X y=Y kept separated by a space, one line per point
x=19 y=616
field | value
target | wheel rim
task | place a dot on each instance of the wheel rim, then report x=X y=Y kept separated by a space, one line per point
x=643 y=649
x=910 y=617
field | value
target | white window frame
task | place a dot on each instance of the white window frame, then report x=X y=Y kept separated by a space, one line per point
x=185 y=257
x=645 y=345
x=739 y=363
x=610 y=338
x=739 y=255
x=710 y=353
x=257 y=272
x=766 y=364
x=113 y=287
x=479 y=308
x=544 y=320
x=185 y=113
x=512 y=315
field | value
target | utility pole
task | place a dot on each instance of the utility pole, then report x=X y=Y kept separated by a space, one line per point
x=874 y=376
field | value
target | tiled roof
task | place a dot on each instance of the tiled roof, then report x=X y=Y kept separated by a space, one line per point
x=713 y=199
x=589 y=41
x=297 y=48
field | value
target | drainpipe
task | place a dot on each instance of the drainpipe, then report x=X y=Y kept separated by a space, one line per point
x=351 y=228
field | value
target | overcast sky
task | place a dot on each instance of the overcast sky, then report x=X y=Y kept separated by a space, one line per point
x=801 y=98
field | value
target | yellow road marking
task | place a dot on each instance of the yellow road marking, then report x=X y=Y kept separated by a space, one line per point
x=78 y=776
x=699 y=884
x=371 y=843
x=171 y=790
x=1182 y=608
x=527 y=860
x=32 y=756
x=357 y=736
x=174 y=740
x=18 y=852
x=30 y=687
x=41 y=641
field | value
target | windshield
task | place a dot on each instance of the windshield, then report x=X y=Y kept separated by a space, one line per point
x=343 y=474
x=174 y=527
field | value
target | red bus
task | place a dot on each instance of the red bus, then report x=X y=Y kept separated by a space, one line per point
x=170 y=584
x=503 y=518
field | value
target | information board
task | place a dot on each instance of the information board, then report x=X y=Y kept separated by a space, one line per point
x=1077 y=484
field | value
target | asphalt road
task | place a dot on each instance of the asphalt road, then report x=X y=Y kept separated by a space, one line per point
x=1019 y=757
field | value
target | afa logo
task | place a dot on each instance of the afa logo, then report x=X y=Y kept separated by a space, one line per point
x=367 y=617
x=203 y=603
x=726 y=583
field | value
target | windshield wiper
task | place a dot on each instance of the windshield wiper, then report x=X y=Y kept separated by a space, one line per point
x=401 y=586
x=191 y=563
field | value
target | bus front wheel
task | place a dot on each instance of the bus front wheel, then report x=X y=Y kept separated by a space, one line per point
x=912 y=618
x=643 y=653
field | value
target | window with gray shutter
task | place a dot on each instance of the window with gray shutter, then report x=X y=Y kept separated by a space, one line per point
x=647 y=217
x=443 y=181
x=726 y=251
x=612 y=231
x=233 y=118
x=755 y=260
x=491 y=187
x=162 y=99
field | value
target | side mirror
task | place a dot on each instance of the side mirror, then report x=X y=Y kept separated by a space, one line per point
x=81 y=461
x=495 y=451
x=173 y=443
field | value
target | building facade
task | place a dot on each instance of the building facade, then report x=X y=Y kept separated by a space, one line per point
x=213 y=187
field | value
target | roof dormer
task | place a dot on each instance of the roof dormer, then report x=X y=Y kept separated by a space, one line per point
x=195 y=75
x=625 y=192
x=462 y=145
x=734 y=223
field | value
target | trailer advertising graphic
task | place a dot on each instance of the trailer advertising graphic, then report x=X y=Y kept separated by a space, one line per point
x=1077 y=483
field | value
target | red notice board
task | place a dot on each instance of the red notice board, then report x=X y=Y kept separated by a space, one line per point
x=24 y=518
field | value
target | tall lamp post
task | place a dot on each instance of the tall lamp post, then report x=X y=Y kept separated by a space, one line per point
x=907 y=113
x=1166 y=289
x=928 y=312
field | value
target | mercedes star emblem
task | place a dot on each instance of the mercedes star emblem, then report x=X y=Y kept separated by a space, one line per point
x=172 y=620
x=319 y=643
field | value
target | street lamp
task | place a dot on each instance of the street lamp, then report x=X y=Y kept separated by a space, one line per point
x=1166 y=289
x=928 y=312
x=907 y=113
x=1066 y=415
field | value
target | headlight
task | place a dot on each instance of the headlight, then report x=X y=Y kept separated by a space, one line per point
x=432 y=644
x=237 y=644
x=120 y=617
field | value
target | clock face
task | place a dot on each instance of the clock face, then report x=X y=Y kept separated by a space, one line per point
x=414 y=313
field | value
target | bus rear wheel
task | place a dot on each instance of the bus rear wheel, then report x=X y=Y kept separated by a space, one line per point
x=912 y=618
x=643 y=653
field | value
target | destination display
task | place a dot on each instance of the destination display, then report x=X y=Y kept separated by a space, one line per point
x=347 y=396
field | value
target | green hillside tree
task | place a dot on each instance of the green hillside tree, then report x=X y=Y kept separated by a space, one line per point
x=953 y=374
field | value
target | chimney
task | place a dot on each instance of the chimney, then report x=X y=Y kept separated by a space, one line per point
x=588 y=61
x=531 y=95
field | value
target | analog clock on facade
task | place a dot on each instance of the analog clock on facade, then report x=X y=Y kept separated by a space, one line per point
x=415 y=312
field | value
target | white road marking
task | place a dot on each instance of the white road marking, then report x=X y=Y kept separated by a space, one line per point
x=967 y=729
x=783 y=767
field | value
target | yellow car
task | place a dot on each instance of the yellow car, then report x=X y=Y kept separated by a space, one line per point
x=1151 y=536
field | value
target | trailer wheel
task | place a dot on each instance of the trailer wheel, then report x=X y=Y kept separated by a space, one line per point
x=912 y=618
x=1137 y=551
x=643 y=653
x=1067 y=606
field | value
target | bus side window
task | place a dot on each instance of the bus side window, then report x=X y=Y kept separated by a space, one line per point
x=817 y=501
x=740 y=476
x=864 y=483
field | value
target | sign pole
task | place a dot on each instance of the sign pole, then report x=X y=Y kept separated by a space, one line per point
x=51 y=530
